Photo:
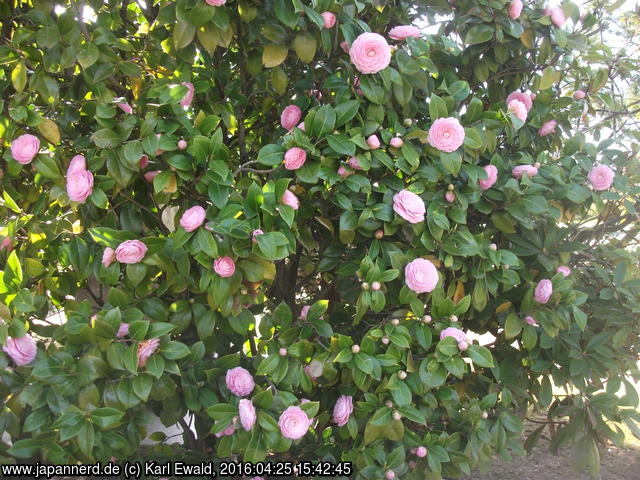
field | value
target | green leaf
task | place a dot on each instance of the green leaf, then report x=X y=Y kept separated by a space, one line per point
x=174 y=350
x=183 y=34
x=25 y=448
x=324 y=121
x=106 y=417
x=345 y=111
x=341 y=144
x=478 y=34
x=481 y=356
x=271 y=155
x=437 y=107
x=451 y=162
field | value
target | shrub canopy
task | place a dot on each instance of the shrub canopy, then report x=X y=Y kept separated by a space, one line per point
x=178 y=104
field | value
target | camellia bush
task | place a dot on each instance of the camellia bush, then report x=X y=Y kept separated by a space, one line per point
x=315 y=231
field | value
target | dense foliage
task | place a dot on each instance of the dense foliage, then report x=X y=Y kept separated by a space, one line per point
x=385 y=221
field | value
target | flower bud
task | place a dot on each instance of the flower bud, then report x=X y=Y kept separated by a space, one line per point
x=407 y=122
x=451 y=187
x=379 y=234
x=450 y=196
x=365 y=286
x=389 y=475
x=493 y=247
x=426 y=319
x=385 y=340
x=537 y=164
x=395 y=322
x=463 y=345
x=454 y=318
x=485 y=415
x=402 y=374
x=421 y=451
x=355 y=349
x=282 y=352
x=396 y=415
x=182 y=144
x=375 y=286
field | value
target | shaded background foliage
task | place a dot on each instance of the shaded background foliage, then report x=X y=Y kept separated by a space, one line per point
x=85 y=398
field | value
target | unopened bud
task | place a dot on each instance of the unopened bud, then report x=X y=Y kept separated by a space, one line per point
x=389 y=403
x=407 y=122
x=493 y=247
x=402 y=374
x=182 y=144
x=463 y=345
x=485 y=415
x=282 y=352
x=385 y=340
x=396 y=415
x=451 y=187
x=379 y=234
x=375 y=286
x=355 y=349
x=454 y=318
x=389 y=475
x=421 y=451
x=537 y=164
x=426 y=319
x=365 y=286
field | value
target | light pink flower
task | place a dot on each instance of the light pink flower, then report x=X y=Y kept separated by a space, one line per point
x=143 y=162
x=543 y=291
x=239 y=381
x=601 y=177
x=123 y=330
x=329 y=19
x=247 y=414
x=421 y=275
x=77 y=164
x=125 y=107
x=108 y=256
x=453 y=332
x=557 y=16
x=294 y=158
x=515 y=9
x=396 y=142
x=314 y=369
x=192 y=218
x=301 y=126
x=409 y=206
x=374 y=142
x=547 y=128
x=450 y=196
x=290 y=116
x=21 y=350
x=146 y=348
x=131 y=251
x=345 y=46
x=564 y=270
x=520 y=170
x=294 y=423
x=492 y=176
x=226 y=432
x=5 y=244
x=304 y=312
x=188 y=97
x=421 y=451
x=531 y=321
x=342 y=410
x=289 y=198
x=446 y=134
x=149 y=176
x=182 y=144
x=25 y=148
x=224 y=266
x=354 y=163
x=523 y=97
x=254 y=235
x=79 y=185
x=579 y=94
x=370 y=53
x=518 y=109
x=343 y=172
x=403 y=32
x=463 y=345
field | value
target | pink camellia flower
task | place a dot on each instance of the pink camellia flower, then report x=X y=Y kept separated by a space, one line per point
x=294 y=158
x=523 y=97
x=247 y=414
x=5 y=244
x=294 y=423
x=354 y=163
x=224 y=266
x=342 y=410
x=343 y=172
x=301 y=126
x=146 y=348
x=515 y=9
x=557 y=16
x=520 y=170
x=226 y=432
x=125 y=107
x=21 y=350
x=143 y=162
x=79 y=180
x=254 y=235
x=182 y=144
x=25 y=148
x=518 y=109
x=446 y=134
x=123 y=330
x=149 y=176
x=421 y=451
x=108 y=256
x=192 y=218
x=403 y=32
x=188 y=97
x=131 y=251
x=492 y=176
x=564 y=270
x=374 y=142
x=601 y=177
x=409 y=206
x=458 y=335
x=290 y=116
x=304 y=312
x=421 y=275
x=531 y=321
x=579 y=94
x=370 y=53
x=289 y=198
x=314 y=369
x=547 y=128
x=543 y=291
x=450 y=196
x=239 y=381
x=396 y=142
x=463 y=345
x=345 y=46
x=329 y=19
